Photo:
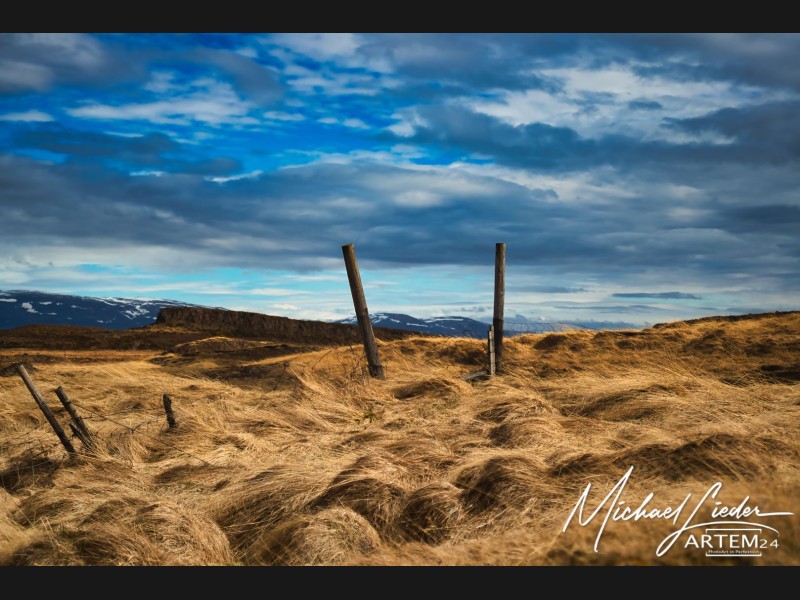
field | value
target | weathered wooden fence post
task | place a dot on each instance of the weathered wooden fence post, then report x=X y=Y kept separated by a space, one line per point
x=62 y=395
x=492 y=363
x=45 y=410
x=362 y=313
x=499 y=301
x=173 y=424
x=81 y=435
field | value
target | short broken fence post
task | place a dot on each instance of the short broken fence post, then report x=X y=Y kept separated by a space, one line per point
x=362 y=313
x=82 y=436
x=170 y=415
x=492 y=363
x=62 y=395
x=45 y=410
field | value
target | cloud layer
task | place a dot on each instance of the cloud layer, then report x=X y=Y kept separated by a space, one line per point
x=608 y=164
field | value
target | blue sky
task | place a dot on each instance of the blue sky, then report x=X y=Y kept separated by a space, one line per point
x=635 y=178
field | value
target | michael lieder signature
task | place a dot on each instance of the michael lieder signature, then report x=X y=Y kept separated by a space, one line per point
x=612 y=508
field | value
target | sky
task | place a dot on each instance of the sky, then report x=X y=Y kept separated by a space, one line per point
x=634 y=178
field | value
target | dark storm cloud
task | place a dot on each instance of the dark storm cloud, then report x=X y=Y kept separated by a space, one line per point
x=254 y=81
x=770 y=131
x=299 y=217
x=536 y=145
x=152 y=150
x=644 y=105
x=146 y=150
x=35 y=62
x=465 y=61
x=691 y=201
x=772 y=218
x=38 y=62
x=510 y=61
x=764 y=59
x=658 y=295
x=762 y=134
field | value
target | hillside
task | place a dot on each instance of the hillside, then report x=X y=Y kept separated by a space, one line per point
x=286 y=452
x=257 y=325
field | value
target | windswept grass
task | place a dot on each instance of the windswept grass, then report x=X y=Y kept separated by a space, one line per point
x=294 y=458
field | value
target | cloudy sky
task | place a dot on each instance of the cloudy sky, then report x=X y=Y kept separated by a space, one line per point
x=634 y=178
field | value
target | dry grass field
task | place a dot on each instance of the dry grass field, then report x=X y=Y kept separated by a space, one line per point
x=292 y=455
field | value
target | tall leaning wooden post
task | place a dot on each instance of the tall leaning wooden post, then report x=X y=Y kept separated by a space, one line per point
x=499 y=302
x=45 y=410
x=362 y=314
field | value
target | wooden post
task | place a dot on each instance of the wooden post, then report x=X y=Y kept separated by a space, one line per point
x=173 y=424
x=45 y=410
x=62 y=395
x=81 y=435
x=499 y=301
x=362 y=314
x=492 y=363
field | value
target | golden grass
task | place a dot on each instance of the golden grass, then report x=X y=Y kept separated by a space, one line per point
x=303 y=459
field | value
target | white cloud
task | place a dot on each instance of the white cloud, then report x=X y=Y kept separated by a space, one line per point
x=273 y=292
x=352 y=123
x=529 y=106
x=594 y=102
x=29 y=116
x=248 y=52
x=320 y=46
x=161 y=82
x=285 y=307
x=355 y=124
x=418 y=199
x=147 y=173
x=403 y=128
x=331 y=82
x=251 y=175
x=408 y=121
x=274 y=115
x=210 y=102
x=315 y=277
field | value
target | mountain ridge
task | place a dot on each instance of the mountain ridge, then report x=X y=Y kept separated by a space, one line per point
x=26 y=307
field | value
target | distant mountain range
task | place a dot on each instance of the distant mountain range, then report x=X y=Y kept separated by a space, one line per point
x=22 y=307
x=449 y=326
x=466 y=327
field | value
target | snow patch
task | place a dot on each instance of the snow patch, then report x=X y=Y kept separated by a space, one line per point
x=29 y=307
x=8 y=299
